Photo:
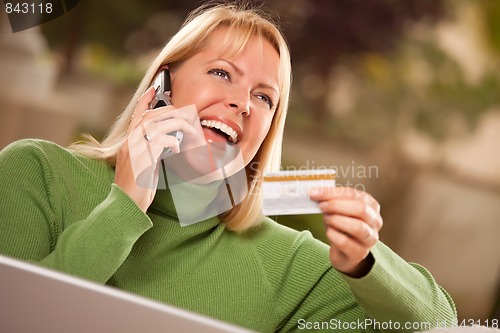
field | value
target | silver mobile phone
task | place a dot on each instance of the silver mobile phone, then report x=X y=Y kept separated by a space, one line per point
x=163 y=88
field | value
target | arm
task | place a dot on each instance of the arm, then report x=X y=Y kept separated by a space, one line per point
x=35 y=226
x=393 y=297
x=396 y=291
x=385 y=286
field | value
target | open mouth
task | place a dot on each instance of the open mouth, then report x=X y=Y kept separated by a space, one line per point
x=222 y=130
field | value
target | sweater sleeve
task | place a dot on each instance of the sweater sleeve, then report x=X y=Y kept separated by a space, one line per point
x=398 y=294
x=313 y=296
x=393 y=297
x=33 y=225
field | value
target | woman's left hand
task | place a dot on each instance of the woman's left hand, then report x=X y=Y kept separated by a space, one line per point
x=352 y=220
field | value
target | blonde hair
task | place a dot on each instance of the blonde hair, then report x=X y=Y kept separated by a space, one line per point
x=242 y=23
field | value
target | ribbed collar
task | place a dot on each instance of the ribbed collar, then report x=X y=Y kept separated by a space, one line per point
x=188 y=201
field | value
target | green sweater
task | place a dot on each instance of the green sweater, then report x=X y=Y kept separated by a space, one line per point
x=63 y=211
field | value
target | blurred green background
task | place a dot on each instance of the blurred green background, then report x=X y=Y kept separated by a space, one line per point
x=402 y=97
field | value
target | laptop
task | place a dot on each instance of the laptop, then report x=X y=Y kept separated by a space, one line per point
x=36 y=299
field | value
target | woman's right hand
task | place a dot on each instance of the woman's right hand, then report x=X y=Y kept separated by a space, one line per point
x=137 y=163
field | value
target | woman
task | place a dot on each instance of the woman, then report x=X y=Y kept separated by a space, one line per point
x=85 y=211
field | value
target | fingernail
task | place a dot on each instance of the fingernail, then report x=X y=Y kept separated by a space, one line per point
x=322 y=205
x=313 y=192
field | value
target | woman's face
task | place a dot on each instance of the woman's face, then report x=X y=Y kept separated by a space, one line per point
x=237 y=94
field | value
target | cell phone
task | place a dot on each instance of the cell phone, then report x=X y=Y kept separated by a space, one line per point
x=163 y=89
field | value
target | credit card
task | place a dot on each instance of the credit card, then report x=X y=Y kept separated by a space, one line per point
x=287 y=192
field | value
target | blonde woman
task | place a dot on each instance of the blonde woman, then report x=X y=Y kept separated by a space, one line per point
x=83 y=211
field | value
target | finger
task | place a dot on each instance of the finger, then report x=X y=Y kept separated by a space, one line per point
x=188 y=113
x=346 y=245
x=168 y=141
x=145 y=148
x=153 y=128
x=353 y=208
x=329 y=192
x=158 y=143
x=141 y=107
x=342 y=192
x=168 y=117
x=354 y=228
x=144 y=155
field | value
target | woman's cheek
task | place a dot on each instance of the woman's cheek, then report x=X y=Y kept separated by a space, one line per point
x=265 y=129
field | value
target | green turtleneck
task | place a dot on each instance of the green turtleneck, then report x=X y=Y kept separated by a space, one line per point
x=63 y=211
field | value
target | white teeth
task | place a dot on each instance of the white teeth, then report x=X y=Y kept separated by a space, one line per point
x=222 y=127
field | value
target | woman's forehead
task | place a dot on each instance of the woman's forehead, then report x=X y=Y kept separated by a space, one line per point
x=230 y=42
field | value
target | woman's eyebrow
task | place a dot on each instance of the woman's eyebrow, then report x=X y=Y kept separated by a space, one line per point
x=267 y=86
x=238 y=70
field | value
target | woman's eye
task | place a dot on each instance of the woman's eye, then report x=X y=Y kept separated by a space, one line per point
x=267 y=100
x=220 y=72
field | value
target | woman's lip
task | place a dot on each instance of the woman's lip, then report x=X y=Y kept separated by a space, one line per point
x=213 y=136
x=228 y=122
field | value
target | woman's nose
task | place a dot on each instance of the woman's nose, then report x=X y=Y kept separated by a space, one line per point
x=240 y=104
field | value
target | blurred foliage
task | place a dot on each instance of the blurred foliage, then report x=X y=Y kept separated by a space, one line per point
x=491 y=10
x=312 y=223
x=110 y=23
x=375 y=97
x=319 y=31
x=118 y=70
x=388 y=103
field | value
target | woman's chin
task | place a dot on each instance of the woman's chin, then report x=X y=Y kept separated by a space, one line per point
x=205 y=164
